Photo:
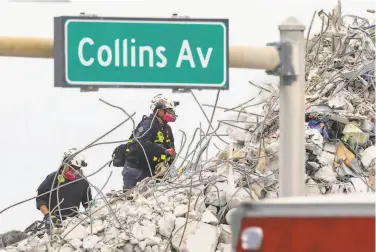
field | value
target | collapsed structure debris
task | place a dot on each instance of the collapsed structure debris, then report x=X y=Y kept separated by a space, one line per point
x=190 y=208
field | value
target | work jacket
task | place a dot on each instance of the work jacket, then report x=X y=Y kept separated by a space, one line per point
x=155 y=137
x=70 y=196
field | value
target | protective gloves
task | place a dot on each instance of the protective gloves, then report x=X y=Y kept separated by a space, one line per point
x=49 y=223
x=160 y=169
x=170 y=152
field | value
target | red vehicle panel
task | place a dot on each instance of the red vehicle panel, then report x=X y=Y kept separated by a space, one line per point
x=305 y=224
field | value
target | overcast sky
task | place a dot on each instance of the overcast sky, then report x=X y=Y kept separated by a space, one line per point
x=39 y=122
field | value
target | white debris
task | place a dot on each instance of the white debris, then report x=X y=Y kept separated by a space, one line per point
x=359 y=185
x=368 y=155
x=216 y=194
x=72 y=232
x=77 y=243
x=180 y=210
x=312 y=188
x=208 y=217
x=212 y=209
x=97 y=226
x=235 y=198
x=198 y=237
x=166 y=224
x=226 y=234
x=229 y=215
x=326 y=174
x=89 y=242
x=142 y=232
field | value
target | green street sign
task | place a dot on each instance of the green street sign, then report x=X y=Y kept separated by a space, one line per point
x=141 y=52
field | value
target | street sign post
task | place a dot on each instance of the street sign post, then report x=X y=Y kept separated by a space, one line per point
x=141 y=52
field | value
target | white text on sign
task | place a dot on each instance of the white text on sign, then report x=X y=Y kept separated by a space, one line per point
x=106 y=57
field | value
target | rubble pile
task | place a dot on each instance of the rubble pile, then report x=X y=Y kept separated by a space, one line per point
x=151 y=218
x=190 y=208
x=340 y=112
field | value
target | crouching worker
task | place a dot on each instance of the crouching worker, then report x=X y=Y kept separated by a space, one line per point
x=65 y=201
x=157 y=142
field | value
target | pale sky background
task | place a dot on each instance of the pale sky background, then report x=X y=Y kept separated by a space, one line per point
x=39 y=122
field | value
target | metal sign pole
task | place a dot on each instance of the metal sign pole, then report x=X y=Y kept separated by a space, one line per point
x=291 y=112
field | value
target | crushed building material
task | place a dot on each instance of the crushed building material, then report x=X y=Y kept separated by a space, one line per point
x=190 y=208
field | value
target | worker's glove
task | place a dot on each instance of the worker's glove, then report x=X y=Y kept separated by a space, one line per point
x=160 y=169
x=50 y=222
x=170 y=152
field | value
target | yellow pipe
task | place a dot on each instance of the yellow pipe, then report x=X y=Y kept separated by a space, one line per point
x=26 y=47
x=254 y=57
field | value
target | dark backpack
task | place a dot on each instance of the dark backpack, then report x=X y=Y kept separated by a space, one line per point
x=119 y=155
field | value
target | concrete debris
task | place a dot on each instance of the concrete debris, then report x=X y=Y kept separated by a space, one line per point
x=226 y=235
x=369 y=156
x=11 y=237
x=190 y=209
x=340 y=117
x=209 y=217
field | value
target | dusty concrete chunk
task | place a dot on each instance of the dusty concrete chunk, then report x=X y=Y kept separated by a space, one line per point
x=72 y=232
x=212 y=209
x=329 y=157
x=225 y=235
x=326 y=174
x=193 y=215
x=66 y=248
x=90 y=241
x=272 y=148
x=148 y=249
x=180 y=210
x=368 y=155
x=179 y=222
x=112 y=232
x=9 y=249
x=216 y=194
x=198 y=237
x=208 y=217
x=101 y=213
x=97 y=227
x=197 y=204
x=142 y=245
x=151 y=241
x=235 y=198
x=312 y=188
x=166 y=224
x=128 y=247
x=196 y=190
x=137 y=249
x=24 y=246
x=229 y=215
x=77 y=243
x=359 y=185
x=142 y=232
x=329 y=147
x=220 y=246
x=11 y=237
x=155 y=248
x=227 y=248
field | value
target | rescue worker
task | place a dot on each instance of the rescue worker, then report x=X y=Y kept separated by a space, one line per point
x=155 y=135
x=70 y=196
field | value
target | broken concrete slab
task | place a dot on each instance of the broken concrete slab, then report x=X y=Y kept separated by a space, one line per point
x=368 y=155
x=198 y=237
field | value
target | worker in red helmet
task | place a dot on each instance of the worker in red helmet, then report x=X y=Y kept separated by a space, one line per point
x=154 y=138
